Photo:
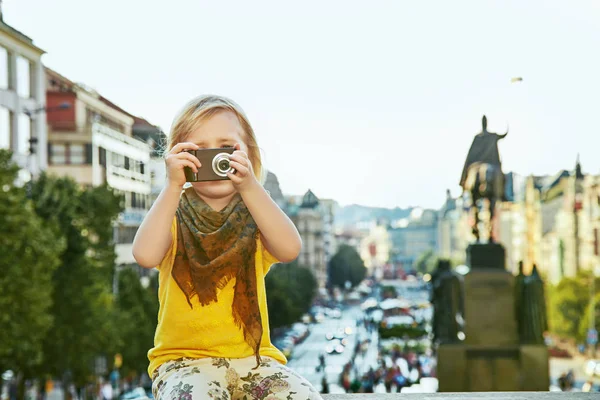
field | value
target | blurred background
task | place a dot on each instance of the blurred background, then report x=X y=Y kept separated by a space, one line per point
x=365 y=114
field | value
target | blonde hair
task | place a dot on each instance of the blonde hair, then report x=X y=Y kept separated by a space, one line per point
x=204 y=107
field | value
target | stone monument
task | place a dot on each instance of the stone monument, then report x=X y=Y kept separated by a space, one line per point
x=504 y=316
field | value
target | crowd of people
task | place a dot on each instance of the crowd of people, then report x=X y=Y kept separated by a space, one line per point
x=395 y=368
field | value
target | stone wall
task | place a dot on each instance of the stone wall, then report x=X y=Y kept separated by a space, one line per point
x=467 y=396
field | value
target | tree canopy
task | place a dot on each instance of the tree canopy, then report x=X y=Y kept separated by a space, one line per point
x=346 y=265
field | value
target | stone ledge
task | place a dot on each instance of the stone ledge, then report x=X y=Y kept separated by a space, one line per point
x=465 y=396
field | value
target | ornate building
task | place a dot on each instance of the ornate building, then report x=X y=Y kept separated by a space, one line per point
x=308 y=218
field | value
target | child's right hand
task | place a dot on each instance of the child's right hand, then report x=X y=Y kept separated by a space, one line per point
x=177 y=160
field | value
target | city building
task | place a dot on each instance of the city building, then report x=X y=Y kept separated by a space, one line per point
x=349 y=237
x=22 y=101
x=157 y=140
x=271 y=185
x=328 y=208
x=92 y=141
x=375 y=247
x=413 y=236
x=550 y=221
x=308 y=219
x=452 y=240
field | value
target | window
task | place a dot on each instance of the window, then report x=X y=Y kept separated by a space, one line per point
x=102 y=156
x=24 y=134
x=58 y=153
x=4 y=128
x=3 y=68
x=76 y=154
x=88 y=153
x=125 y=234
x=24 y=77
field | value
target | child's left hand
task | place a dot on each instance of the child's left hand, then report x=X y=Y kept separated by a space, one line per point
x=244 y=175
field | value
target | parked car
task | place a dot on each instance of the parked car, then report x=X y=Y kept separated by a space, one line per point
x=135 y=394
x=335 y=347
x=592 y=368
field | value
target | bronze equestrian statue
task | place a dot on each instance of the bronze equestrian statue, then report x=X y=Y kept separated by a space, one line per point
x=482 y=175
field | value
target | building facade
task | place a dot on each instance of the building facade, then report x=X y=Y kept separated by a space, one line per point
x=416 y=235
x=22 y=101
x=92 y=142
x=308 y=219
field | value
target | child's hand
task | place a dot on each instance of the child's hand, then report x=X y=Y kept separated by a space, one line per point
x=177 y=159
x=244 y=177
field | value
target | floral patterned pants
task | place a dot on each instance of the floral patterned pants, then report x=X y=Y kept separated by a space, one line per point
x=229 y=379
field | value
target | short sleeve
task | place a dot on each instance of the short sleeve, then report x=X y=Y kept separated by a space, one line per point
x=267 y=258
x=170 y=254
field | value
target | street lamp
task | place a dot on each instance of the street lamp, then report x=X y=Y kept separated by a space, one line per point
x=62 y=106
x=30 y=113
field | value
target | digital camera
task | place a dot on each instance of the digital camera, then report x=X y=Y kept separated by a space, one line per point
x=215 y=165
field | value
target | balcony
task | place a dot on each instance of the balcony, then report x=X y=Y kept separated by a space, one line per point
x=117 y=142
x=127 y=180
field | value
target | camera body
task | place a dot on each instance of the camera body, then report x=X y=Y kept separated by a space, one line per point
x=215 y=165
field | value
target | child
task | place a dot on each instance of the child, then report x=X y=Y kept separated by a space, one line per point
x=213 y=243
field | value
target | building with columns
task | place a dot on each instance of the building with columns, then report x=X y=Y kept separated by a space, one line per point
x=22 y=100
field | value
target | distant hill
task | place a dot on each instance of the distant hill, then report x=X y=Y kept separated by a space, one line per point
x=353 y=214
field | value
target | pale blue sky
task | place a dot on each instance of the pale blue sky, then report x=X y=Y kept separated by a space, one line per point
x=387 y=93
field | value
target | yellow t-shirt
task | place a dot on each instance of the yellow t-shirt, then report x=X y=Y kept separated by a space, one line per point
x=205 y=331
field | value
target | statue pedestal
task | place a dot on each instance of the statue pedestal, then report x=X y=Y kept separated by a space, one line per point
x=491 y=357
x=489 y=298
x=464 y=368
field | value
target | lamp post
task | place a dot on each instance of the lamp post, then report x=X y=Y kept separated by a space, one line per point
x=62 y=106
x=33 y=140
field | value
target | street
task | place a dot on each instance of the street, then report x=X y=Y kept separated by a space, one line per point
x=305 y=358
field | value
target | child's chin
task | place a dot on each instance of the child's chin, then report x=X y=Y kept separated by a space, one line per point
x=214 y=188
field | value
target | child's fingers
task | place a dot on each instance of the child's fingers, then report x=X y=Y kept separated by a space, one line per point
x=242 y=170
x=187 y=163
x=186 y=156
x=234 y=178
x=179 y=147
x=239 y=158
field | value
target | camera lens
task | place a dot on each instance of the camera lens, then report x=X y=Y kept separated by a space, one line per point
x=223 y=165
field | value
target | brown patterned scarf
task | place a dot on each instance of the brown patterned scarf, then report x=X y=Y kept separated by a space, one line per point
x=214 y=247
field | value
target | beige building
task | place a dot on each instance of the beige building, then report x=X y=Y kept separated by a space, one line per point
x=22 y=101
x=376 y=247
x=453 y=236
x=92 y=141
x=553 y=222
x=308 y=219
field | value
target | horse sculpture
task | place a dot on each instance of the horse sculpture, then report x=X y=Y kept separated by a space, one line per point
x=482 y=176
x=484 y=182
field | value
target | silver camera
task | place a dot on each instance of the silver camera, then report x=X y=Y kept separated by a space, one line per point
x=215 y=165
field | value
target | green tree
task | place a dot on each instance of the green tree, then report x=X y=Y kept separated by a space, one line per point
x=585 y=321
x=426 y=262
x=290 y=292
x=29 y=254
x=137 y=319
x=568 y=304
x=346 y=265
x=82 y=306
